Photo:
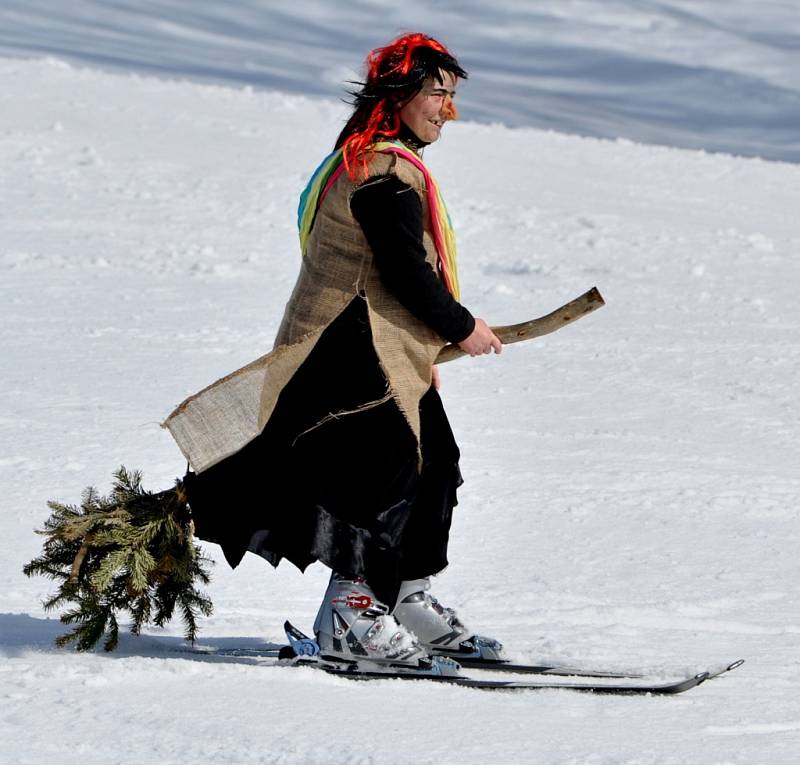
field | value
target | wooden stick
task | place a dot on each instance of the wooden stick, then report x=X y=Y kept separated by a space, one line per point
x=515 y=333
x=76 y=564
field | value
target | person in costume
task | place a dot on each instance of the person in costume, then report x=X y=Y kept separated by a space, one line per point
x=335 y=447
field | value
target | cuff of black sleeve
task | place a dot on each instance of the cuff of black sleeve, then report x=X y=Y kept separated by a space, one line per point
x=466 y=329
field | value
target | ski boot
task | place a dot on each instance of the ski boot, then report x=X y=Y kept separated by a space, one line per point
x=354 y=629
x=439 y=629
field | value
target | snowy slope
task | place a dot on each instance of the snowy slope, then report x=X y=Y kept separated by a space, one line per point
x=723 y=76
x=631 y=493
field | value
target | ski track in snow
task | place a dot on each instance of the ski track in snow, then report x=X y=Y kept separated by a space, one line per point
x=631 y=495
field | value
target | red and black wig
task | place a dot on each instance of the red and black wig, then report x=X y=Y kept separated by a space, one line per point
x=395 y=74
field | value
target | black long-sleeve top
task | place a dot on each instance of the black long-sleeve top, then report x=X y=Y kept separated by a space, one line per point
x=390 y=214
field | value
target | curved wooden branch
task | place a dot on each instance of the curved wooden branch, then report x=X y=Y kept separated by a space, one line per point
x=515 y=333
x=77 y=562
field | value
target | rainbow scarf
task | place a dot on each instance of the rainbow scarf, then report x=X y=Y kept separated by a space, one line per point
x=332 y=167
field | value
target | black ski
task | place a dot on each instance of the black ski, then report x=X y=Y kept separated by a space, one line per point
x=554 y=670
x=557 y=670
x=637 y=688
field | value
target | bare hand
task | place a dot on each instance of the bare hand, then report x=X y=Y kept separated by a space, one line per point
x=482 y=340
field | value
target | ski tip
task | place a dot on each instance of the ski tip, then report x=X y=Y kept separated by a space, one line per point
x=734 y=665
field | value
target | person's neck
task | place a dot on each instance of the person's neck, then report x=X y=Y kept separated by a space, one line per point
x=410 y=139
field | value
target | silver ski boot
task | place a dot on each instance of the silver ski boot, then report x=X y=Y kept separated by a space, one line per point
x=439 y=629
x=353 y=627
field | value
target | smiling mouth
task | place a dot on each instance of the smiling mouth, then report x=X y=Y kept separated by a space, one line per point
x=438 y=123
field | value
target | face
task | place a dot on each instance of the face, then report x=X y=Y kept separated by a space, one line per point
x=431 y=108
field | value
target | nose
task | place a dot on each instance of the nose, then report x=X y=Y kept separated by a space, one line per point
x=449 y=110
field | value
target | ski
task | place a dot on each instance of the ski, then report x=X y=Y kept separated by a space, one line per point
x=617 y=689
x=558 y=670
x=635 y=687
x=302 y=645
x=553 y=670
x=304 y=651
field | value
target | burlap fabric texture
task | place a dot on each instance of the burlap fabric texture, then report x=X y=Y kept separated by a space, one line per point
x=337 y=269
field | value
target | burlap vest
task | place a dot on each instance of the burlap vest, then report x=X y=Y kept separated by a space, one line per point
x=336 y=269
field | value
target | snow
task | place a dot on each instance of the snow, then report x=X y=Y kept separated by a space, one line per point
x=631 y=495
x=722 y=76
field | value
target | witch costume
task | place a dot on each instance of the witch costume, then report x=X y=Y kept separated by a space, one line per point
x=335 y=446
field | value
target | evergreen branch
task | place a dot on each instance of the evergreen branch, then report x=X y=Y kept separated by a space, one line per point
x=130 y=551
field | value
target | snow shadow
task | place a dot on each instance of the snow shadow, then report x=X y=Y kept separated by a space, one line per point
x=21 y=633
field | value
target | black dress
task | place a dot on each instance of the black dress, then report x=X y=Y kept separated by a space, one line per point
x=348 y=492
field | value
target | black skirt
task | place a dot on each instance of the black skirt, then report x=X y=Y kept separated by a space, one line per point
x=346 y=492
